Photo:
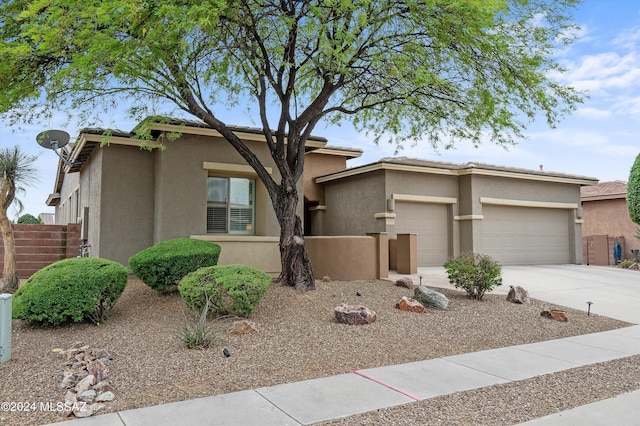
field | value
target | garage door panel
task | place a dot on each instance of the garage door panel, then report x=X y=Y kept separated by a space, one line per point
x=430 y=223
x=522 y=235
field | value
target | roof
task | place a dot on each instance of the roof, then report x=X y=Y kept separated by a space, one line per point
x=604 y=191
x=437 y=167
x=92 y=137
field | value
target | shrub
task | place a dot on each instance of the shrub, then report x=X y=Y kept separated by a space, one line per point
x=163 y=265
x=474 y=272
x=74 y=290
x=197 y=333
x=633 y=191
x=626 y=263
x=229 y=289
x=29 y=219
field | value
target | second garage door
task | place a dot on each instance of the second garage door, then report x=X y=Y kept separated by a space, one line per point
x=525 y=235
x=430 y=223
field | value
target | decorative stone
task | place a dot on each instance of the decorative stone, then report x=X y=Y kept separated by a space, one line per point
x=88 y=410
x=98 y=369
x=57 y=350
x=243 y=327
x=555 y=315
x=354 y=315
x=105 y=396
x=518 y=295
x=431 y=298
x=405 y=282
x=70 y=397
x=102 y=386
x=408 y=304
x=86 y=383
x=87 y=396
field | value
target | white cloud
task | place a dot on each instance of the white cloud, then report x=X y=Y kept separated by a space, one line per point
x=593 y=113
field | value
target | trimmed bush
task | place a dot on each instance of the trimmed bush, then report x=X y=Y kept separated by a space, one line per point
x=633 y=192
x=475 y=273
x=29 y=219
x=71 y=290
x=230 y=289
x=163 y=265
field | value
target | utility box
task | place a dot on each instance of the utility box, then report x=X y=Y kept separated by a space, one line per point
x=5 y=327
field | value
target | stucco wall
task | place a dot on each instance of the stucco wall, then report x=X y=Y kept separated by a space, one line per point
x=318 y=165
x=126 y=209
x=610 y=217
x=352 y=204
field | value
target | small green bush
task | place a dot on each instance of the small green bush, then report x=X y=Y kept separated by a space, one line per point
x=163 y=265
x=76 y=289
x=29 y=219
x=475 y=273
x=229 y=289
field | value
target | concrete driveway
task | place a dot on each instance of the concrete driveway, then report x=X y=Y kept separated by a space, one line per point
x=615 y=292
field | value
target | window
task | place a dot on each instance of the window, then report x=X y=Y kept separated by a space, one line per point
x=230 y=205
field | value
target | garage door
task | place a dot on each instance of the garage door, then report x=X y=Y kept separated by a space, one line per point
x=525 y=235
x=430 y=223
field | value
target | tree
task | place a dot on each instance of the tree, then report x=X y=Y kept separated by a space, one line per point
x=16 y=169
x=436 y=70
x=29 y=219
x=633 y=193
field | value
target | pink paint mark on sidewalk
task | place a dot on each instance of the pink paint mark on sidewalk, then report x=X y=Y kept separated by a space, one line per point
x=380 y=382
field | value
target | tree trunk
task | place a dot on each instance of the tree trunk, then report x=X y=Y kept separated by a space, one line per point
x=296 y=266
x=10 y=280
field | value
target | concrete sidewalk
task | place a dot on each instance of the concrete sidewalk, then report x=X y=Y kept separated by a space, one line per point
x=312 y=401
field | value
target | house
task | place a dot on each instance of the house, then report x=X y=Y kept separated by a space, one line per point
x=128 y=199
x=607 y=221
x=517 y=216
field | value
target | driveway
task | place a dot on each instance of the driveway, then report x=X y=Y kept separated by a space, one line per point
x=615 y=292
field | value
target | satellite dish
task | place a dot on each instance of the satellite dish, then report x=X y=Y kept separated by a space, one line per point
x=54 y=139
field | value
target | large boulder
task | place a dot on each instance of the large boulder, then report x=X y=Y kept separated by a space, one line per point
x=431 y=298
x=518 y=294
x=354 y=315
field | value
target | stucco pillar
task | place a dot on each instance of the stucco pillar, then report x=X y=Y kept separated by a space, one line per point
x=382 y=250
x=407 y=254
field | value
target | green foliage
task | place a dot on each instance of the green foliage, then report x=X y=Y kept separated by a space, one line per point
x=163 y=265
x=198 y=333
x=71 y=290
x=228 y=289
x=633 y=192
x=29 y=219
x=476 y=273
x=626 y=263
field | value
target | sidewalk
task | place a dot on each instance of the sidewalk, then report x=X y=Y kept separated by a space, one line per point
x=312 y=401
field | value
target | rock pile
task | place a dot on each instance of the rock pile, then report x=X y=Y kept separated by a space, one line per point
x=85 y=379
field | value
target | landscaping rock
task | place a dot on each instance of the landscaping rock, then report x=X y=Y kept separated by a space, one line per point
x=408 y=304
x=405 y=282
x=431 y=298
x=243 y=327
x=354 y=315
x=85 y=378
x=555 y=315
x=518 y=295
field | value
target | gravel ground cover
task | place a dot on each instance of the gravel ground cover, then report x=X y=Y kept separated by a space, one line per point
x=299 y=339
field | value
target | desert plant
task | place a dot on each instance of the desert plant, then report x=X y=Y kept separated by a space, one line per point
x=197 y=333
x=163 y=265
x=228 y=289
x=29 y=219
x=626 y=263
x=71 y=290
x=476 y=273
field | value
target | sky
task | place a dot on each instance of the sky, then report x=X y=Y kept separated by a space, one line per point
x=601 y=139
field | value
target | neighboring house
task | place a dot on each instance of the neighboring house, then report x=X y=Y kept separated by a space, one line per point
x=606 y=221
x=129 y=198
